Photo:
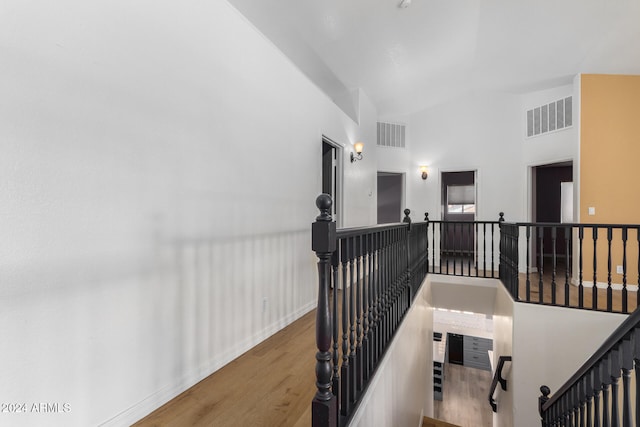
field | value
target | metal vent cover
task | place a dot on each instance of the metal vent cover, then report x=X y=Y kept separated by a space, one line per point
x=550 y=117
x=391 y=135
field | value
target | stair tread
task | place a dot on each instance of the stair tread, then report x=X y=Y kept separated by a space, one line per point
x=430 y=422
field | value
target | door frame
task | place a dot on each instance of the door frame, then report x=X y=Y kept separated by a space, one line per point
x=338 y=205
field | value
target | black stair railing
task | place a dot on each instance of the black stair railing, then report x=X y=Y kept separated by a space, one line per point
x=592 y=396
x=463 y=248
x=587 y=266
x=367 y=280
x=498 y=378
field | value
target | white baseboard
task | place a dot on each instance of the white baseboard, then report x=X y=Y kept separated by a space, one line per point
x=162 y=396
x=603 y=285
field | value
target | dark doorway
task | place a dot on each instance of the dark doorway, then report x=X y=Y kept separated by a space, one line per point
x=547 y=208
x=389 y=197
x=331 y=175
x=459 y=204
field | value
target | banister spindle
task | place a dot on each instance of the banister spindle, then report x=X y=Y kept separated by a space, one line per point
x=606 y=382
x=615 y=376
x=594 y=291
x=597 y=388
x=625 y=306
x=336 y=327
x=567 y=263
x=627 y=366
x=484 y=249
x=580 y=286
x=528 y=282
x=344 y=385
x=323 y=242
x=359 y=300
x=609 y=288
x=553 y=264
x=540 y=230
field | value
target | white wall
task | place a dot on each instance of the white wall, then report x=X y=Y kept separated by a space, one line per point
x=160 y=163
x=478 y=132
x=556 y=341
x=503 y=346
x=401 y=392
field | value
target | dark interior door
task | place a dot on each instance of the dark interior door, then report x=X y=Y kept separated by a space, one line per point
x=458 y=204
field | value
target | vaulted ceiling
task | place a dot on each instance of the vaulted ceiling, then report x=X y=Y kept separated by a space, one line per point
x=408 y=59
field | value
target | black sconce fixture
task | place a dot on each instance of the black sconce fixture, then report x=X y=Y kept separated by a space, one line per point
x=358 y=146
x=423 y=169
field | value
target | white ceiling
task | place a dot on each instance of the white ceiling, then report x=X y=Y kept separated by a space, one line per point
x=409 y=59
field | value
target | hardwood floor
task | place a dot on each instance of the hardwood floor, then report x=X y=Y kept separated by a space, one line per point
x=270 y=385
x=464 y=400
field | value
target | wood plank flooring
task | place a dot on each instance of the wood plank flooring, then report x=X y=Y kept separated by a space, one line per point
x=270 y=385
x=464 y=401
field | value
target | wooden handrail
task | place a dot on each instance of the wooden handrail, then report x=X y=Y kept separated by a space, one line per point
x=497 y=377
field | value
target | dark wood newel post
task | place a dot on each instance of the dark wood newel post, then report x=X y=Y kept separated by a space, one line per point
x=407 y=220
x=541 y=401
x=324 y=411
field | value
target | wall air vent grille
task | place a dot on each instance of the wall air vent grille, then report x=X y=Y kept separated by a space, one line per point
x=391 y=135
x=550 y=117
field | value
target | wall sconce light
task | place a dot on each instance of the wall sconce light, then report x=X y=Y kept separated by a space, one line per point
x=358 y=146
x=424 y=171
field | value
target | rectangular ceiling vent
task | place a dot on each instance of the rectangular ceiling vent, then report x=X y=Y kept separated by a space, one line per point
x=550 y=117
x=391 y=135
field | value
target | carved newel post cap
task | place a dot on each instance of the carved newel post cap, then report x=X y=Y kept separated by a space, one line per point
x=501 y=217
x=407 y=219
x=426 y=216
x=324 y=203
x=546 y=391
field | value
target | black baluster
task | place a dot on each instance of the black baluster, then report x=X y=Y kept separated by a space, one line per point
x=567 y=232
x=484 y=248
x=636 y=362
x=615 y=376
x=627 y=366
x=575 y=396
x=580 y=286
x=455 y=251
x=528 y=282
x=344 y=386
x=609 y=288
x=469 y=247
x=638 y=293
x=366 y=292
x=426 y=219
x=372 y=304
x=597 y=387
x=594 y=291
x=336 y=328
x=553 y=264
x=323 y=242
x=625 y=307
x=493 y=269
x=477 y=246
x=541 y=265
x=589 y=396
x=352 y=322
x=441 y=254
x=606 y=381
x=359 y=278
